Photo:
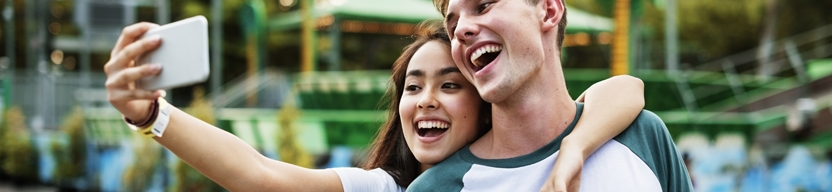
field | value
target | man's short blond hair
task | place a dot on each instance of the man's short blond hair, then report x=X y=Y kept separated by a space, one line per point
x=442 y=7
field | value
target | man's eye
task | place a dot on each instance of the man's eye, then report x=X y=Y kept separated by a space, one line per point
x=451 y=31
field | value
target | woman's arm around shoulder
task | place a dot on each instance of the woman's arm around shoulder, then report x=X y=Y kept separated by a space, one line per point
x=610 y=107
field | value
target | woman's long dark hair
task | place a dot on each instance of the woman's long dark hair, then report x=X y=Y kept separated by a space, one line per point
x=389 y=150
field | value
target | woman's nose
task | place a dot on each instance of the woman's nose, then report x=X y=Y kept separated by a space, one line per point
x=428 y=101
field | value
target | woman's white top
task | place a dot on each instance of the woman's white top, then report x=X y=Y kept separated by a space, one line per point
x=357 y=179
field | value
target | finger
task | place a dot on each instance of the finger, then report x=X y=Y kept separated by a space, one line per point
x=575 y=186
x=559 y=187
x=130 y=33
x=122 y=78
x=132 y=51
x=547 y=187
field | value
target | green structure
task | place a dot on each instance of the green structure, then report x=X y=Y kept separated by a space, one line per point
x=394 y=17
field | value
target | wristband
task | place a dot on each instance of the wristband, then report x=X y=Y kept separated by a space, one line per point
x=154 y=108
x=160 y=120
x=161 y=123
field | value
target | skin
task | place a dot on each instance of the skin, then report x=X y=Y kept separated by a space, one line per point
x=236 y=166
x=435 y=90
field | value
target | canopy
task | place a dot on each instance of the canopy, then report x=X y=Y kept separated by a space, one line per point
x=413 y=11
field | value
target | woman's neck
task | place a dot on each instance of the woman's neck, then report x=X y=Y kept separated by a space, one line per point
x=423 y=167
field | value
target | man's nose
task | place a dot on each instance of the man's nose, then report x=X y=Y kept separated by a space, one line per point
x=466 y=30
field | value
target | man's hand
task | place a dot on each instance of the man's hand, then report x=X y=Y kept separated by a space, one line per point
x=566 y=174
x=122 y=72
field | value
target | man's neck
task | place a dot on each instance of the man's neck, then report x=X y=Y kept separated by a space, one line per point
x=531 y=118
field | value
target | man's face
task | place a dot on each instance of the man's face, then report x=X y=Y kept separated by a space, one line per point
x=496 y=43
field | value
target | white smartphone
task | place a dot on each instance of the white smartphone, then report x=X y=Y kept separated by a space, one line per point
x=183 y=54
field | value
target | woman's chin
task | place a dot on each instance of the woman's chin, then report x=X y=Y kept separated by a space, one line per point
x=430 y=159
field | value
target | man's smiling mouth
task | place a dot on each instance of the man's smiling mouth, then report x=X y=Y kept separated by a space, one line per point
x=485 y=55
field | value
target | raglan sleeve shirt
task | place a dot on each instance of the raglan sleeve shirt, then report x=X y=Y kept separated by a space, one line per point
x=357 y=179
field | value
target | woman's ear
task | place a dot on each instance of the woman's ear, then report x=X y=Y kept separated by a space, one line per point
x=552 y=13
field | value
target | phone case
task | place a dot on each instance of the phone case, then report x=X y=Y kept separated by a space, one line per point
x=183 y=54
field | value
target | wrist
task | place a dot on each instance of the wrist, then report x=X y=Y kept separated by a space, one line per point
x=146 y=118
x=576 y=145
x=158 y=121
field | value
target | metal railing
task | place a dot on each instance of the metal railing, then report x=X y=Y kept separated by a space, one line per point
x=45 y=98
x=733 y=74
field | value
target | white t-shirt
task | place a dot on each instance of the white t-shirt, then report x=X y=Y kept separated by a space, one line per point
x=642 y=158
x=357 y=179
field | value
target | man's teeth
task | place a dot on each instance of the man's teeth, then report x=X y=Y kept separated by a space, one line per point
x=483 y=50
x=433 y=125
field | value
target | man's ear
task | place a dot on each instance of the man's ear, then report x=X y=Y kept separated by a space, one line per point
x=552 y=13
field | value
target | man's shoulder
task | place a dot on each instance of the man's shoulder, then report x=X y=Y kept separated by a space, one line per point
x=646 y=124
x=647 y=131
x=648 y=138
x=445 y=175
x=649 y=119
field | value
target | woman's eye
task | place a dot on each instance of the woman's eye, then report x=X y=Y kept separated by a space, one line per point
x=412 y=88
x=450 y=86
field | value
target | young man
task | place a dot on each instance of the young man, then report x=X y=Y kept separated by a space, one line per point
x=510 y=51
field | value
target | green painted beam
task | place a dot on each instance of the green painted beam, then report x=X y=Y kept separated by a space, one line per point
x=415 y=11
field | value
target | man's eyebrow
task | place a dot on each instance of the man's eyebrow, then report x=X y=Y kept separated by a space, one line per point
x=417 y=73
x=447 y=70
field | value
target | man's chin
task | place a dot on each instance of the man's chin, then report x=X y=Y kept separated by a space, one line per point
x=492 y=94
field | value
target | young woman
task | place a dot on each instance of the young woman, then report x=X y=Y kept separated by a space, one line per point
x=436 y=113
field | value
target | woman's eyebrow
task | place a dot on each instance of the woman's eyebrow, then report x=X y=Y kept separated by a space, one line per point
x=447 y=70
x=416 y=72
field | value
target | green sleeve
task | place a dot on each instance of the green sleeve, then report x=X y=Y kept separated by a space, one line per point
x=649 y=139
x=447 y=175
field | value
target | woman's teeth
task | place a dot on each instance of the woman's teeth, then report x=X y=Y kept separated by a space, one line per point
x=483 y=50
x=433 y=125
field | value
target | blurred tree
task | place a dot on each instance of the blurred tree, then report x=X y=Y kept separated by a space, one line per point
x=288 y=147
x=70 y=158
x=710 y=29
x=17 y=154
x=138 y=175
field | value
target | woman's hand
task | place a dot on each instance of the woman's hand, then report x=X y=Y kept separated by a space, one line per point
x=122 y=72
x=566 y=174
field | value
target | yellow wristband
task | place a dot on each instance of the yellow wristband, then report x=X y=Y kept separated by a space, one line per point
x=161 y=124
x=158 y=127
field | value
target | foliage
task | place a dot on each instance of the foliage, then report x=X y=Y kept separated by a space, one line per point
x=201 y=108
x=17 y=154
x=147 y=156
x=710 y=29
x=71 y=159
x=289 y=148
x=189 y=178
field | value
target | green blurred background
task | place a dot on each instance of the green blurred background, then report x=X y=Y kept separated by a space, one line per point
x=743 y=86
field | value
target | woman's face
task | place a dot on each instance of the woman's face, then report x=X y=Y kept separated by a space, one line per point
x=439 y=108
